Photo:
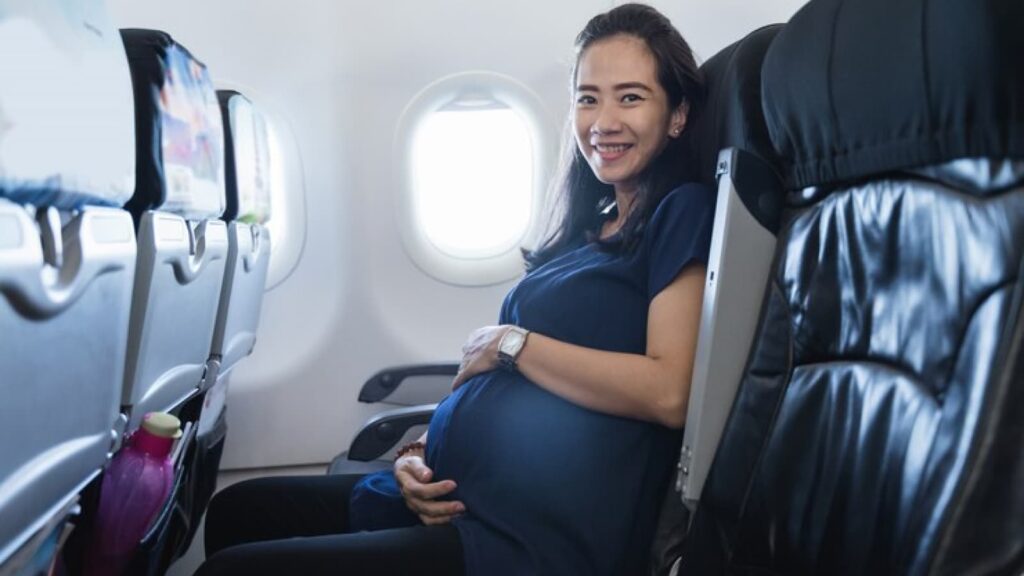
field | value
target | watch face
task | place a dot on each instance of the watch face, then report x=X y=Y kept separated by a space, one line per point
x=511 y=342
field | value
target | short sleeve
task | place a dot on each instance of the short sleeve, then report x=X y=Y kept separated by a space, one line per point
x=679 y=234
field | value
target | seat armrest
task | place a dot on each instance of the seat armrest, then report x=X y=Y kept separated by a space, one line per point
x=383 y=383
x=382 y=431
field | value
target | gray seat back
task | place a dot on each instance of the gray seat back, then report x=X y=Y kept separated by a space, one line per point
x=178 y=198
x=248 y=191
x=66 y=259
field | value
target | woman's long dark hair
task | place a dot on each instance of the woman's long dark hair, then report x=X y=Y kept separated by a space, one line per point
x=580 y=194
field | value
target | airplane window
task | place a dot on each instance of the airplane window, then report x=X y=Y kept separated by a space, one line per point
x=476 y=166
x=472 y=179
x=287 y=222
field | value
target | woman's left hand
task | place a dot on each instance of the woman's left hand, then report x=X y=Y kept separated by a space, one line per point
x=479 y=353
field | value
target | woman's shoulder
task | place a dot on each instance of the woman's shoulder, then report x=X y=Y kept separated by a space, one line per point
x=679 y=234
x=688 y=196
x=691 y=202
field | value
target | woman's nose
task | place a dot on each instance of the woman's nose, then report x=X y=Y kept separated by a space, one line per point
x=605 y=122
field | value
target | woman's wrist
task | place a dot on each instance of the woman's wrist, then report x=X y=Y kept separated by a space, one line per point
x=411 y=448
x=510 y=345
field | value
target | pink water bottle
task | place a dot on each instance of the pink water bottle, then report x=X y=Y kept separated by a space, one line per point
x=135 y=487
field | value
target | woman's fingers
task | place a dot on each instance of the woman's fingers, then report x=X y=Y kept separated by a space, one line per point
x=417 y=468
x=431 y=490
x=435 y=508
x=414 y=476
x=411 y=470
x=466 y=371
x=479 y=353
x=434 y=511
x=421 y=495
x=434 y=520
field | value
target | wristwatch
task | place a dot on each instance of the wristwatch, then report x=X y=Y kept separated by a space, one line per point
x=510 y=346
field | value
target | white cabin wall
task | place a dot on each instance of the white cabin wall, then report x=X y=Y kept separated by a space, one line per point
x=341 y=73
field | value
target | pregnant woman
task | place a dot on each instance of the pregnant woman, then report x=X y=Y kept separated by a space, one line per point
x=553 y=453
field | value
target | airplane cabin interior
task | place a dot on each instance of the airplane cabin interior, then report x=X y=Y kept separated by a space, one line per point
x=276 y=222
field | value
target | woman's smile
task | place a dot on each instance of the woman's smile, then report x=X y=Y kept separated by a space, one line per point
x=622 y=116
x=611 y=152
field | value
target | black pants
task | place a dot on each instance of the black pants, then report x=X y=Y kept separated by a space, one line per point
x=298 y=525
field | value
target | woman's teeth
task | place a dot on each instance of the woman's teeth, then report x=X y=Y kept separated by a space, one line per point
x=612 y=148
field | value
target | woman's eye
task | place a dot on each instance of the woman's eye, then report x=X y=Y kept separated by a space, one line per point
x=586 y=100
x=631 y=98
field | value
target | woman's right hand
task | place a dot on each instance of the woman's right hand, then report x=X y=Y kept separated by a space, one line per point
x=421 y=494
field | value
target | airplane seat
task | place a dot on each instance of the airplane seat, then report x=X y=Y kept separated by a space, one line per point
x=247 y=210
x=247 y=180
x=182 y=243
x=247 y=177
x=67 y=262
x=182 y=247
x=876 y=429
x=733 y=154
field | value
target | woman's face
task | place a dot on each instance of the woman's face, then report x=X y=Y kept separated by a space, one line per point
x=622 y=119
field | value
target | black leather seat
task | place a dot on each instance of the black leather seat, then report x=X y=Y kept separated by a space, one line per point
x=877 y=429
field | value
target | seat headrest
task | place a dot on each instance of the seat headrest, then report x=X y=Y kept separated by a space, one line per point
x=732 y=116
x=179 y=132
x=66 y=125
x=853 y=89
x=247 y=159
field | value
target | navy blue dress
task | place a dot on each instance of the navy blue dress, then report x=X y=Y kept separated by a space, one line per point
x=552 y=488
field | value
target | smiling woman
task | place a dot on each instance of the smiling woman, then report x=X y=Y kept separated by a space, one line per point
x=635 y=86
x=596 y=345
x=623 y=119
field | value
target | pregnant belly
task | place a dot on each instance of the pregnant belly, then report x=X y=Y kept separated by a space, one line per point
x=504 y=439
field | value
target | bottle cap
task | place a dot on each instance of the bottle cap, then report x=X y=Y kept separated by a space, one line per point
x=162 y=424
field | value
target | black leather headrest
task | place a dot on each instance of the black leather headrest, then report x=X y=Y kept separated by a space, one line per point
x=856 y=89
x=178 y=127
x=732 y=115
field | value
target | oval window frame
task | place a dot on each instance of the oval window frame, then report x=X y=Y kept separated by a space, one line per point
x=485 y=270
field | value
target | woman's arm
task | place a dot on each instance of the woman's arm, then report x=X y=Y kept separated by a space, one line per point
x=654 y=386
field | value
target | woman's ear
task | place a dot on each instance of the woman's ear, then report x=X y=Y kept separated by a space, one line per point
x=677 y=122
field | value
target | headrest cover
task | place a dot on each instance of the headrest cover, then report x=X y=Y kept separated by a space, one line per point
x=732 y=116
x=179 y=132
x=247 y=159
x=853 y=89
x=67 y=135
